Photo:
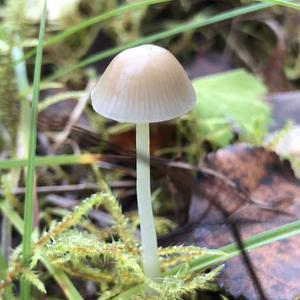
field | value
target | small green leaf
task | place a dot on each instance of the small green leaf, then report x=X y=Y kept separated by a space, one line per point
x=34 y=280
x=284 y=3
x=228 y=101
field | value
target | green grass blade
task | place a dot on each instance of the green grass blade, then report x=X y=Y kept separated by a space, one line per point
x=3 y=267
x=52 y=160
x=258 y=240
x=232 y=250
x=59 y=97
x=25 y=287
x=22 y=85
x=63 y=280
x=191 y=25
x=94 y=20
x=20 y=68
x=12 y=215
x=284 y=3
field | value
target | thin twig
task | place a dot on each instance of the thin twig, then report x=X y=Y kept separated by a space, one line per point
x=75 y=115
x=75 y=187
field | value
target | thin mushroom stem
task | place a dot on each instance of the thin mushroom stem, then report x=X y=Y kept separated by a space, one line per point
x=150 y=256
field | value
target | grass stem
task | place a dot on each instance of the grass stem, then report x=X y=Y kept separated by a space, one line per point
x=28 y=211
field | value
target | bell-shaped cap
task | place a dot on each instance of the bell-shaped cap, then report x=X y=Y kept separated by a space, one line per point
x=144 y=84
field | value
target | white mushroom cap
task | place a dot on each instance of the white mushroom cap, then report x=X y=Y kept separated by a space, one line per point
x=144 y=84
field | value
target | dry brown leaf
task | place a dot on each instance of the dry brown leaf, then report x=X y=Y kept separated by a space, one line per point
x=257 y=192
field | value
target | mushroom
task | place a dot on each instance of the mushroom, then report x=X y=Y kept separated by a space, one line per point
x=142 y=85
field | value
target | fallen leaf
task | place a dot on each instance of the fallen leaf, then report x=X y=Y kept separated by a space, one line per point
x=256 y=191
x=286 y=143
x=162 y=136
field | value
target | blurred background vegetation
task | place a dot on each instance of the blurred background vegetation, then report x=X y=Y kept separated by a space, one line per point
x=238 y=53
x=265 y=43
